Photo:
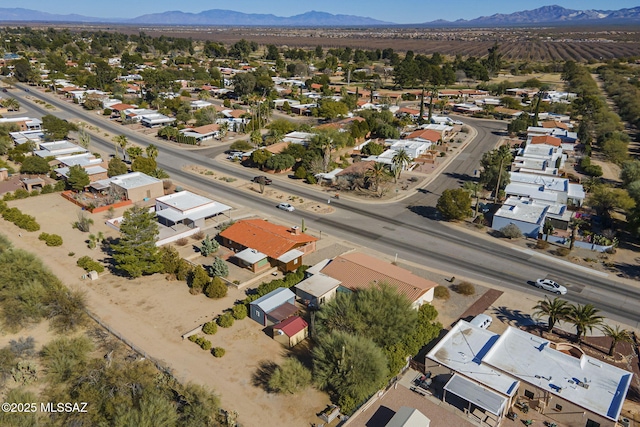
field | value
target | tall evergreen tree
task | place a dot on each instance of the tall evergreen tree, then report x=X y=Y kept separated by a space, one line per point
x=136 y=253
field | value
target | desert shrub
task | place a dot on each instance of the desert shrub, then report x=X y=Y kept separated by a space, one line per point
x=24 y=221
x=184 y=269
x=20 y=193
x=23 y=347
x=198 y=236
x=210 y=328
x=182 y=242
x=47 y=189
x=465 y=288
x=218 y=351
x=89 y=264
x=563 y=251
x=291 y=377
x=216 y=288
x=541 y=244
x=50 y=239
x=511 y=231
x=441 y=292
x=65 y=356
x=193 y=338
x=205 y=344
x=239 y=311
x=225 y=320
x=197 y=280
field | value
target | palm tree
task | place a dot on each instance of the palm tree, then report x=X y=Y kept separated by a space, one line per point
x=134 y=152
x=617 y=335
x=376 y=174
x=11 y=104
x=152 y=151
x=474 y=188
x=400 y=160
x=584 y=318
x=555 y=310
x=120 y=141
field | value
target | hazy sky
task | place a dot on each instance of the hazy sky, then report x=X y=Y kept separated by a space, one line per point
x=398 y=11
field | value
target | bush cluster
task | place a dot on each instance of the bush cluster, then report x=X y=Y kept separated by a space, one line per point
x=239 y=311
x=441 y=292
x=210 y=328
x=218 y=351
x=89 y=264
x=511 y=231
x=24 y=221
x=465 y=288
x=225 y=320
x=50 y=239
x=563 y=251
x=204 y=344
x=589 y=168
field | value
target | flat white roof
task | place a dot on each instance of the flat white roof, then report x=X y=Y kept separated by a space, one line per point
x=250 y=256
x=318 y=284
x=84 y=159
x=576 y=191
x=290 y=255
x=549 y=183
x=463 y=349
x=128 y=181
x=184 y=200
x=587 y=382
x=531 y=190
x=523 y=212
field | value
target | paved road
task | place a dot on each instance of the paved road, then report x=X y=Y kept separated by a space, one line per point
x=405 y=228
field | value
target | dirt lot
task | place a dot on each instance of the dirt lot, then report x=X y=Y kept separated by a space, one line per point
x=153 y=313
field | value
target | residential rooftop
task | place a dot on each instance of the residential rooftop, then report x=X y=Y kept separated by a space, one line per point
x=585 y=381
x=529 y=213
x=184 y=200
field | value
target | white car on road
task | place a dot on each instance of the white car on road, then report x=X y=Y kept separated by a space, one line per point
x=286 y=207
x=551 y=286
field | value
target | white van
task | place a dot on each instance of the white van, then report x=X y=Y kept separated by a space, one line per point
x=482 y=321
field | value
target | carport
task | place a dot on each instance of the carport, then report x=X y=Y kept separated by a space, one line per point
x=490 y=406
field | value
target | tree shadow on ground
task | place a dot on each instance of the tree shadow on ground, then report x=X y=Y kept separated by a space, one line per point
x=513 y=317
x=261 y=376
x=461 y=177
x=426 y=211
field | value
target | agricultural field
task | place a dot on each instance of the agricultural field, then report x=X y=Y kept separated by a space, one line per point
x=524 y=44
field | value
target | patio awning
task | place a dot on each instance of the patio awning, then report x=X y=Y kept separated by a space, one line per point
x=290 y=255
x=171 y=214
x=476 y=394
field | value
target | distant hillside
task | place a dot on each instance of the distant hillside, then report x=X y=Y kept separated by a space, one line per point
x=547 y=15
x=229 y=17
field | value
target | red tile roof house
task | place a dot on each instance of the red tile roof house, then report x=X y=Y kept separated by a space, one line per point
x=547 y=139
x=291 y=331
x=282 y=246
x=359 y=271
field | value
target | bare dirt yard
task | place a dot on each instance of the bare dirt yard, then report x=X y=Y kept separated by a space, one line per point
x=153 y=313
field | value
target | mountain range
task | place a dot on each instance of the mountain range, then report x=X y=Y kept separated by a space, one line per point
x=547 y=15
